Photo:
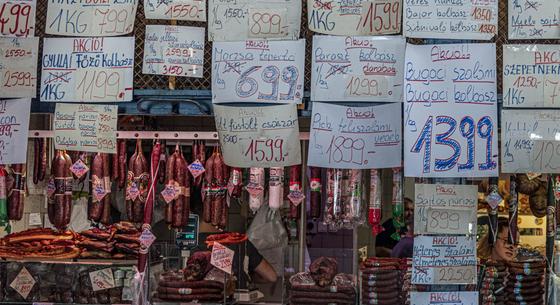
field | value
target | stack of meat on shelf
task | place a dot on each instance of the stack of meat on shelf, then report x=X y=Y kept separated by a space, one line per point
x=525 y=284
x=381 y=281
x=322 y=285
x=492 y=283
x=118 y=241
x=199 y=281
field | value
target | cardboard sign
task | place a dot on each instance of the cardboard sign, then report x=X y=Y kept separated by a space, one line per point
x=445 y=209
x=451 y=19
x=18 y=18
x=102 y=279
x=173 y=50
x=265 y=136
x=23 y=283
x=450 y=111
x=530 y=141
x=18 y=67
x=258 y=71
x=444 y=298
x=248 y=19
x=14 y=129
x=357 y=17
x=444 y=260
x=355 y=137
x=531 y=77
x=357 y=68
x=535 y=19
x=83 y=127
x=222 y=257
x=35 y=219
x=192 y=10
x=91 y=18
x=87 y=69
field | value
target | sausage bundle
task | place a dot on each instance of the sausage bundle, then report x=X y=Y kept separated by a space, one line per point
x=215 y=209
x=16 y=193
x=137 y=184
x=60 y=201
x=177 y=191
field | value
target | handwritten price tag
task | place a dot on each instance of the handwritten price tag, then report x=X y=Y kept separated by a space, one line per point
x=14 y=125
x=222 y=257
x=79 y=168
x=23 y=283
x=102 y=279
x=147 y=239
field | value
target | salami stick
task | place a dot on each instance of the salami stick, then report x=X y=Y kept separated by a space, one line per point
x=36 y=159
x=186 y=193
x=3 y=197
x=121 y=151
x=170 y=182
x=115 y=166
x=513 y=204
x=106 y=215
x=255 y=187
x=154 y=173
x=16 y=195
x=68 y=193
x=95 y=209
x=315 y=191
x=207 y=191
x=44 y=157
x=295 y=195
x=398 y=209
x=179 y=174
x=374 y=212
x=217 y=198
x=276 y=188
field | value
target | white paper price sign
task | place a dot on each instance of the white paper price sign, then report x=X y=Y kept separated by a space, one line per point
x=355 y=137
x=102 y=279
x=451 y=19
x=23 y=283
x=18 y=18
x=173 y=50
x=193 y=10
x=258 y=71
x=247 y=19
x=534 y=19
x=530 y=141
x=259 y=136
x=18 y=67
x=450 y=111
x=357 y=17
x=444 y=260
x=445 y=209
x=87 y=69
x=222 y=257
x=444 y=298
x=14 y=128
x=357 y=68
x=91 y=18
x=83 y=127
x=531 y=77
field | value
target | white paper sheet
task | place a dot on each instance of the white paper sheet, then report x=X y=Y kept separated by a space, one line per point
x=357 y=68
x=83 y=127
x=355 y=137
x=355 y=17
x=450 y=112
x=18 y=66
x=193 y=10
x=14 y=129
x=531 y=76
x=530 y=141
x=444 y=298
x=450 y=19
x=258 y=71
x=445 y=209
x=444 y=260
x=259 y=136
x=174 y=50
x=87 y=69
x=533 y=19
x=249 y=19
x=18 y=18
x=91 y=18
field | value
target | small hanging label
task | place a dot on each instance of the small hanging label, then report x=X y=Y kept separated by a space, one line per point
x=98 y=188
x=146 y=239
x=102 y=279
x=196 y=168
x=23 y=283
x=79 y=168
x=315 y=185
x=35 y=219
x=132 y=192
x=254 y=189
x=494 y=200
x=170 y=192
x=51 y=188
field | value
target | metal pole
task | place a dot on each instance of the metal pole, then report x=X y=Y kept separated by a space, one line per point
x=303 y=210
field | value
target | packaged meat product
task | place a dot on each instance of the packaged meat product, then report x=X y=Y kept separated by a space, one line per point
x=255 y=187
x=374 y=212
x=276 y=188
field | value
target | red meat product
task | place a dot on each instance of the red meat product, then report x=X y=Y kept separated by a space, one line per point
x=95 y=209
x=315 y=189
x=138 y=181
x=16 y=194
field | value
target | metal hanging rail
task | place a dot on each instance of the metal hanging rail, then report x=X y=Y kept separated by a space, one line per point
x=164 y=135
